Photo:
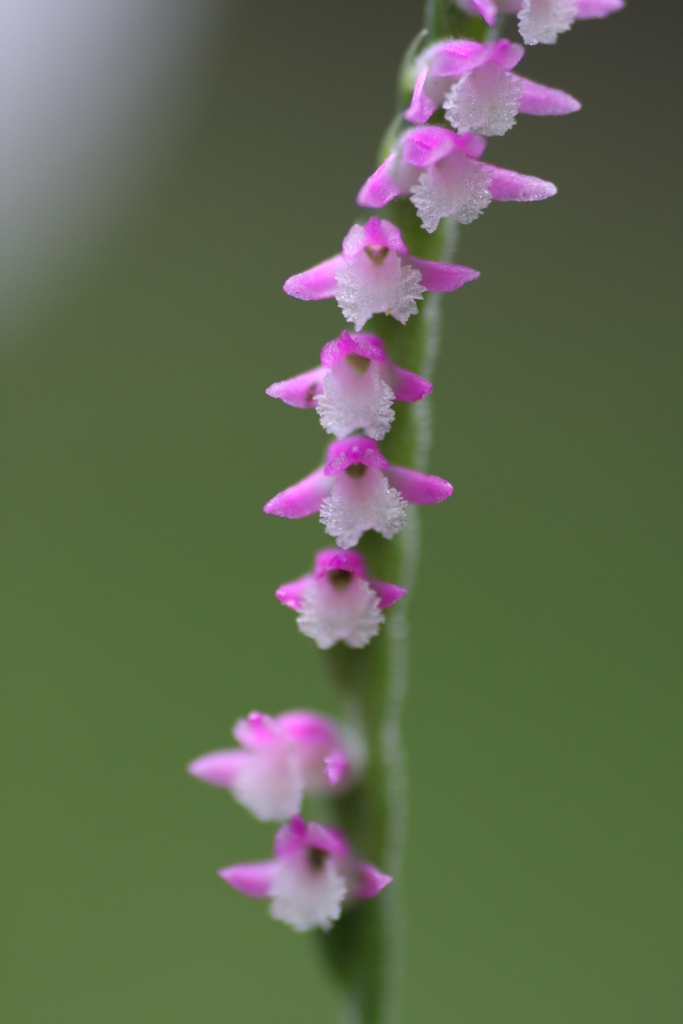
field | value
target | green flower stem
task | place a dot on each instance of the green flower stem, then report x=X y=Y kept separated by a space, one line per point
x=365 y=948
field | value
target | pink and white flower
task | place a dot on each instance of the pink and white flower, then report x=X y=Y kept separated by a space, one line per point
x=375 y=273
x=357 y=490
x=280 y=759
x=354 y=388
x=439 y=171
x=338 y=600
x=312 y=877
x=475 y=85
x=541 y=21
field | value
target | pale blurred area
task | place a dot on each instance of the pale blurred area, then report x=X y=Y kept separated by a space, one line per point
x=94 y=96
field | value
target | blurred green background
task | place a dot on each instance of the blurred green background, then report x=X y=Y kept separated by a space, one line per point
x=137 y=615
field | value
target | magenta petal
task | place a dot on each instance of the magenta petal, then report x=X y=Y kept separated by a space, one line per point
x=290 y=837
x=421 y=106
x=423 y=147
x=302 y=499
x=509 y=186
x=371 y=881
x=255 y=731
x=506 y=54
x=320 y=282
x=370 y=346
x=418 y=488
x=308 y=727
x=334 y=558
x=291 y=594
x=544 y=101
x=254 y=879
x=443 y=277
x=407 y=386
x=337 y=767
x=455 y=57
x=598 y=8
x=300 y=391
x=218 y=768
x=388 y=593
x=380 y=188
x=376 y=232
x=353 y=451
x=487 y=9
x=326 y=837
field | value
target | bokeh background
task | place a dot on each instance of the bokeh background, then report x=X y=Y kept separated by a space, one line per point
x=166 y=166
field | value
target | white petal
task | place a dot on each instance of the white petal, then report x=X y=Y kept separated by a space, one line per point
x=541 y=21
x=357 y=504
x=365 y=286
x=455 y=187
x=352 y=400
x=330 y=614
x=486 y=101
x=307 y=897
x=269 y=784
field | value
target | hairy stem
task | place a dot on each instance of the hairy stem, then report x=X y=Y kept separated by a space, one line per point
x=365 y=948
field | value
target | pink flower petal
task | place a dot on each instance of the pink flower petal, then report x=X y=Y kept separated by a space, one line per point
x=290 y=837
x=309 y=728
x=302 y=499
x=423 y=147
x=325 y=837
x=443 y=277
x=407 y=386
x=353 y=451
x=544 y=101
x=371 y=881
x=218 y=768
x=388 y=593
x=455 y=57
x=300 y=391
x=421 y=106
x=256 y=730
x=337 y=767
x=333 y=558
x=508 y=186
x=418 y=488
x=598 y=8
x=380 y=233
x=370 y=346
x=253 y=879
x=291 y=594
x=487 y=9
x=381 y=187
x=320 y=282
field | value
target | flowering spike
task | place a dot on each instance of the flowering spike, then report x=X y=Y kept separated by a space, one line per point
x=313 y=874
x=375 y=273
x=280 y=759
x=360 y=494
x=339 y=601
x=436 y=168
x=354 y=388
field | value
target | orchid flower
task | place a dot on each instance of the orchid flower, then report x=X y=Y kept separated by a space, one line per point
x=475 y=85
x=313 y=874
x=279 y=760
x=439 y=171
x=541 y=21
x=339 y=600
x=375 y=273
x=354 y=388
x=357 y=490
